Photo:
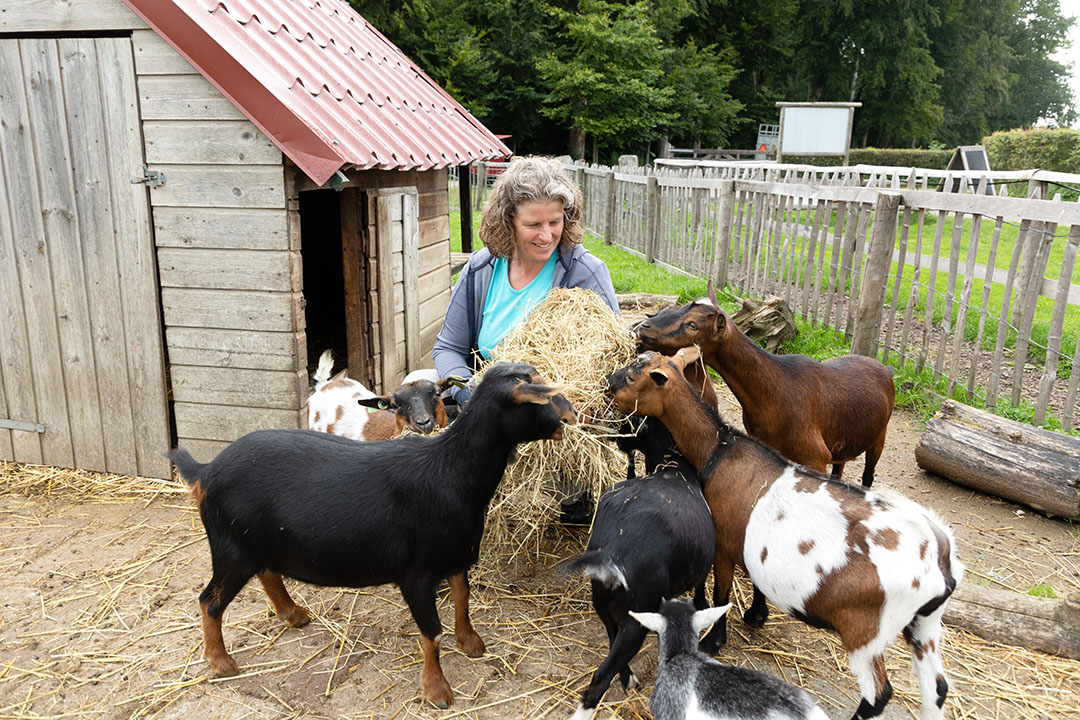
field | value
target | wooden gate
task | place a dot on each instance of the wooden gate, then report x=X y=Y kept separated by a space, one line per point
x=81 y=368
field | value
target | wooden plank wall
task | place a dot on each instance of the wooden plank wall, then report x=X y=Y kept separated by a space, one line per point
x=419 y=270
x=228 y=247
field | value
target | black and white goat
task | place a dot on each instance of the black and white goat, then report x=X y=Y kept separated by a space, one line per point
x=690 y=685
x=866 y=564
x=652 y=538
x=331 y=511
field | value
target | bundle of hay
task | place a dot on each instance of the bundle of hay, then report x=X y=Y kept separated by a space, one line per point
x=575 y=342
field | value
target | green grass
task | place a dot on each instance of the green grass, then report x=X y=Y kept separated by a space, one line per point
x=1042 y=591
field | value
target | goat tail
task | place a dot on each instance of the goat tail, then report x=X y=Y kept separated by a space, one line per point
x=190 y=468
x=326 y=365
x=599 y=567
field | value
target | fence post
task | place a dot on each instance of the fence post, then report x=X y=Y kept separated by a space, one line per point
x=465 y=201
x=724 y=217
x=579 y=178
x=872 y=289
x=609 y=209
x=652 y=217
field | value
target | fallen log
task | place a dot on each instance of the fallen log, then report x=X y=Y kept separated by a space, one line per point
x=1051 y=626
x=1014 y=461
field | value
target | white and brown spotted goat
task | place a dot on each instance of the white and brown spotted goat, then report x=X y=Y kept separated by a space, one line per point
x=345 y=407
x=866 y=564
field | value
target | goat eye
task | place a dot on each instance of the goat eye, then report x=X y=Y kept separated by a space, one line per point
x=692 y=325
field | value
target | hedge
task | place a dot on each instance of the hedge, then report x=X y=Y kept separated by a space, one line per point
x=899 y=157
x=1036 y=149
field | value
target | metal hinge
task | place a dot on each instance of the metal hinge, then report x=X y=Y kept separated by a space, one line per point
x=20 y=425
x=152 y=178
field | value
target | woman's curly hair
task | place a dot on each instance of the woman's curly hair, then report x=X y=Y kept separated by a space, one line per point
x=530 y=179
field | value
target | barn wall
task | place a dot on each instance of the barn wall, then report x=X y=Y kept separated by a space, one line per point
x=429 y=281
x=228 y=257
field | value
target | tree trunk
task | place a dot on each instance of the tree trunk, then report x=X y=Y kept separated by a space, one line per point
x=1048 y=625
x=577 y=143
x=1015 y=461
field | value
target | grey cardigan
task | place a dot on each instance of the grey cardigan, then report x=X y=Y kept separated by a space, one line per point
x=575 y=268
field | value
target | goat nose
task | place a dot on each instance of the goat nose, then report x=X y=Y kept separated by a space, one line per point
x=614 y=382
x=426 y=425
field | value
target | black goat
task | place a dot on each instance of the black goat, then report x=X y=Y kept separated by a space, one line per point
x=652 y=539
x=331 y=511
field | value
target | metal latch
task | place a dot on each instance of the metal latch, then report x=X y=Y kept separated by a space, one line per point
x=20 y=425
x=152 y=178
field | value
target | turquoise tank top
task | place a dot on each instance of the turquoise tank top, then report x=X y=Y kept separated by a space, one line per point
x=506 y=307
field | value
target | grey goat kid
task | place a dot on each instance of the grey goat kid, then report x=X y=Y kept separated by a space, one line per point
x=690 y=685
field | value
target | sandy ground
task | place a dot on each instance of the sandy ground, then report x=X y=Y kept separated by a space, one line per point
x=100 y=620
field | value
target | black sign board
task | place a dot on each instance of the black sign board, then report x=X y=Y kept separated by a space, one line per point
x=969 y=157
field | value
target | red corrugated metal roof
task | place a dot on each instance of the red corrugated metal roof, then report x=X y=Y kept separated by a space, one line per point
x=323 y=84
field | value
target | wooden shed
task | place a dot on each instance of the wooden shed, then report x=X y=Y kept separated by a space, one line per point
x=197 y=197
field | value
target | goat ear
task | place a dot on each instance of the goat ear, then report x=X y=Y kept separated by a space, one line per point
x=687 y=356
x=712 y=293
x=379 y=402
x=652 y=621
x=705 y=618
x=449 y=380
x=720 y=322
x=658 y=377
x=532 y=393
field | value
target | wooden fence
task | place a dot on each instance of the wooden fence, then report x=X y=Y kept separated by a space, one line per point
x=880 y=256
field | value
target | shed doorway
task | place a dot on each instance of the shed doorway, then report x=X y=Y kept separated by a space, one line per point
x=332 y=242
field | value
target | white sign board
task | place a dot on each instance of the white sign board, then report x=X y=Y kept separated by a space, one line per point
x=815 y=131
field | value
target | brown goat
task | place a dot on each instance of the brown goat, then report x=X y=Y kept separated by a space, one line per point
x=866 y=564
x=811 y=412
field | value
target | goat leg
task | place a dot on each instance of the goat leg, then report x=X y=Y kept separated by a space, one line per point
x=628 y=641
x=225 y=583
x=469 y=642
x=723 y=576
x=419 y=595
x=758 y=612
x=283 y=604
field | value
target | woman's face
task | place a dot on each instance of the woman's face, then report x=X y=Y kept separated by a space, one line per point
x=537 y=229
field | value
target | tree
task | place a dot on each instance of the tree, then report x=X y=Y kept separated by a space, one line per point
x=605 y=78
x=704 y=110
x=1038 y=85
x=971 y=47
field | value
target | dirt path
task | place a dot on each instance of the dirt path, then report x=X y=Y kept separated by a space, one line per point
x=100 y=620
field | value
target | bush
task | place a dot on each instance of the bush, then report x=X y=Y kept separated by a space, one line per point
x=891 y=157
x=899 y=157
x=1042 y=149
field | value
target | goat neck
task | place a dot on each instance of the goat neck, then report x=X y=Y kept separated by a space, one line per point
x=696 y=428
x=751 y=372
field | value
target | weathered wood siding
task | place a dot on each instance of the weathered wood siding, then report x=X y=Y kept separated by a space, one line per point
x=408 y=219
x=81 y=352
x=228 y=250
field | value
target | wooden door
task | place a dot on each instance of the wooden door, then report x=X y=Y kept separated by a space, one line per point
x=81 y=366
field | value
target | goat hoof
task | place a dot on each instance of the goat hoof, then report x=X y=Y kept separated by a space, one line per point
x=632 y=683
x=754 y=619
x=470 y=644
x=223 y=666
x=297 y=617
x=438 y=693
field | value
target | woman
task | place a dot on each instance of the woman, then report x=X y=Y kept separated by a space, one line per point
x=531 y=228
